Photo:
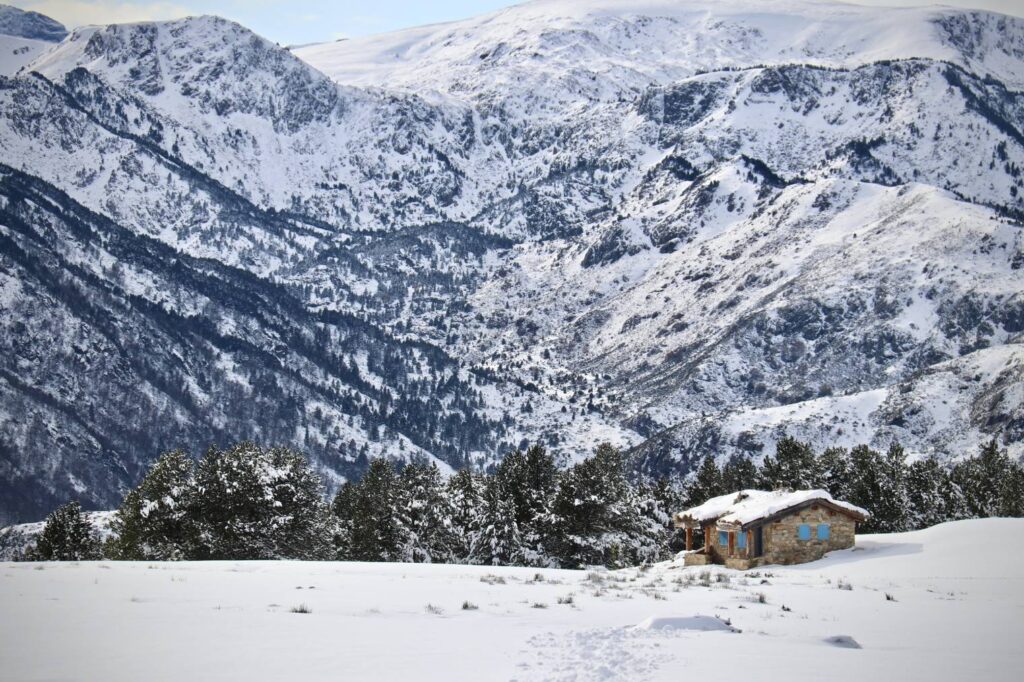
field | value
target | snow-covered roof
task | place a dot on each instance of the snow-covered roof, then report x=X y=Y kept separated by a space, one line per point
x=746 y=506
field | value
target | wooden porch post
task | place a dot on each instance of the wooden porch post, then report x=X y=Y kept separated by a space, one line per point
x=689 y=538
x=750 y=543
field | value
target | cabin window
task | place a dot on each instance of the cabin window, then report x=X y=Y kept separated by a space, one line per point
x=824 y=531
x=723 y=538
x=804 y=531
x=741 y=540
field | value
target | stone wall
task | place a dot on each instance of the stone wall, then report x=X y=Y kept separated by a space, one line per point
x=781 y=540
x=782 y=544
x=716 y=551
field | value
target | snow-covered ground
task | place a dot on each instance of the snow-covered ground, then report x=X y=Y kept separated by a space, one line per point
x=16 y=52
x=957 y=612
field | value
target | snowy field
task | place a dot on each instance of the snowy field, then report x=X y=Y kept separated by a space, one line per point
x=956 y=612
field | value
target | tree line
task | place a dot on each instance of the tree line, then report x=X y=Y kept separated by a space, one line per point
x=901 y=496
x=251 y=502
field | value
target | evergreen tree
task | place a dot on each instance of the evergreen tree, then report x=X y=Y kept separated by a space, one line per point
x=424 y=515
x=302 y=526
x=1012 y=491
x=927 y=493
x=706 y=483
x=865 y=484
x=739 y=473
x=499 y=543
x=465 y=495
x=669 y=498
x=656 y=503
x=260 y=504
x=793 y=467
x=892 y=506
x=67 y=536
x=955 y=496
x=343 y=507
x=129 y=540
x=596 y=513
x=157 y=520
x=834 y=472
x=982 y=480
x=376 y=532
x=530 y=480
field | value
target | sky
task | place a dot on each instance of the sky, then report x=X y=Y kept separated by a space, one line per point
x=297 y=22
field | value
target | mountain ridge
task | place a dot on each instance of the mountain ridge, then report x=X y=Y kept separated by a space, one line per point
x=31 y=25
x=555 y=248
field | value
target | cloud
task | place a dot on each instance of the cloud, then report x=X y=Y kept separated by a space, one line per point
x=73 y=13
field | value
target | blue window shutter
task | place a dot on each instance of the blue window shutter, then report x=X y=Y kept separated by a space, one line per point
x=741 y=540
x=804 y=531
x=824 y=532
x=723 y=538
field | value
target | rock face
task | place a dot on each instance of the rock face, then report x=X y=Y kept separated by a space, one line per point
x=32 y=25
x=671 y=227
x=783 y=544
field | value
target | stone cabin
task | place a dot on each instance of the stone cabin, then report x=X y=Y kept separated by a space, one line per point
x=754 y=527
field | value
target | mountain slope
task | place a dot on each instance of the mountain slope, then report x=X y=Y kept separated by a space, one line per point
x=681 y=226
x=24 y=36
x=745 y=253
x=30 y=25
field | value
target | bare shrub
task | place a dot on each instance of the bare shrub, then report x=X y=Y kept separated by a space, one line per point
x=492 y=579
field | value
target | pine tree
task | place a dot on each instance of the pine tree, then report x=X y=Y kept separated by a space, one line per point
x=67 y=536
x=669 y=498
x=955 y=498
x=530 y=480
x=423 y=514
x=260 y=504
x=982 y=479
x=892 y=506
x=834 y=472
x=865 y=484
x=157 y=520
x=739 y=473
x=376 y=533
x=927 y=493
x=596 y=513
x=228 y=505
x=129 y=540
x=343 y=507
x=656 y=503
x=1012 y=492
x=706 y=483
x=499 y=543
x=793 y=467
x=465 y=495
x=301 y=525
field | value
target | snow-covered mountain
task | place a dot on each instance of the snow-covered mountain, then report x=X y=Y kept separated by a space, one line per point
x=683 y=226
x=31 y=25
x=24 y=36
